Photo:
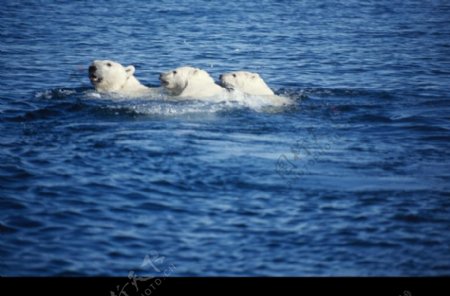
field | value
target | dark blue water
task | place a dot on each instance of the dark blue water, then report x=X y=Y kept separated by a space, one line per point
x=354 y=179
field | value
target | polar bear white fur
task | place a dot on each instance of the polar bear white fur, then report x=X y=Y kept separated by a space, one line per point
x=191 y=82
x=248 y=82
x=111 y=77
x=252 y=84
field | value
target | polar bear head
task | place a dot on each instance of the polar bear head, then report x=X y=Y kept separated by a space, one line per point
x=109 y=76
x=247 y=82
x=186 y=80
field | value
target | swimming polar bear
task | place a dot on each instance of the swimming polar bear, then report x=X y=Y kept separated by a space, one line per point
x=111 y=77
x=191 y=82
x=248 y=82
x=252 y=84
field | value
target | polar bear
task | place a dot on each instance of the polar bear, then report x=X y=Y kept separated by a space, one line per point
x=252 y=84
x=111 y=77
x=248 y=82
x=191 y=82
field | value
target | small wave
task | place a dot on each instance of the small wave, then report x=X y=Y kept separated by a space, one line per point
x=345 y=92
x=50 y=112
x=59 y=93
x=426 y=128
x=370 y=118
x=7 y=229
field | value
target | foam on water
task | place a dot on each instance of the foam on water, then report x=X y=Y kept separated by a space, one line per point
x=162 y=104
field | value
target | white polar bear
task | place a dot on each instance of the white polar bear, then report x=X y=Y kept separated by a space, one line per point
x=252 y=84
x=191 y=82
x=248 y=82
x=111 y=77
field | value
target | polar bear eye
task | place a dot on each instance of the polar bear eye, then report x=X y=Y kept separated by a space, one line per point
x=234 y=75
x=108 y=64
x=174 y=72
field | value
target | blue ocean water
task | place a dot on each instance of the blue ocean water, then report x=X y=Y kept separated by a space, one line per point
x=351 y=180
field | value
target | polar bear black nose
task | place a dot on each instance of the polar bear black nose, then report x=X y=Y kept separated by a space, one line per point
x=161 y=76
x=220 y=77
x=92 y=69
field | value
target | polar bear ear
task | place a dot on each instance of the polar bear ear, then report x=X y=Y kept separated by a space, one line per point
x=195 y=71
x=130 y=70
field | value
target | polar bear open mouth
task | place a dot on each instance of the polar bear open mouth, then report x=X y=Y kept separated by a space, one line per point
x=95 y=79
x=93 y=75
x=164 y=82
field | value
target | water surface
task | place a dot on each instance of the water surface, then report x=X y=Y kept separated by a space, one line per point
x=351 y=180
